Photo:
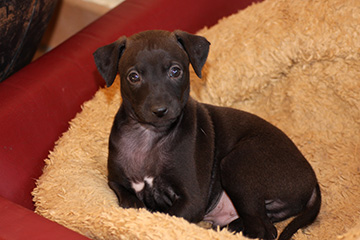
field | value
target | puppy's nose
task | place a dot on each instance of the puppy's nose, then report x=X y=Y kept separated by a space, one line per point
x=160 y=111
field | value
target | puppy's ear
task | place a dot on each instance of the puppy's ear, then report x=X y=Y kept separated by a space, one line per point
x=196 y=47
x=107 y=59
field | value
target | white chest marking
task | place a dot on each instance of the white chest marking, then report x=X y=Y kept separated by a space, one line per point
x=139 y=186
x=149 y=180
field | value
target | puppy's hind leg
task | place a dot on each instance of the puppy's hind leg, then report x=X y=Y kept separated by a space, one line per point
x=236 y=226
x=252 y=223
x=240 y=183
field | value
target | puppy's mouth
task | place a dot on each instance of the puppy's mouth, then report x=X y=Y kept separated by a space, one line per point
x=158 y=124
x=164 y=124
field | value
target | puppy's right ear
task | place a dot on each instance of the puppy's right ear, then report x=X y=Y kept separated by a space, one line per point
x=107 y=59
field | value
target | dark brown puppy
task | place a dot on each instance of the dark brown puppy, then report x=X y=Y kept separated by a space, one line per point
x=171 y=154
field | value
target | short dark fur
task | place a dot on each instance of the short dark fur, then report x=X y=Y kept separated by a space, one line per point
x=172 y=154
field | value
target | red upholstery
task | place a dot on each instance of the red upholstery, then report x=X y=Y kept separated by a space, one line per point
x=17 y=222
x=37 y=102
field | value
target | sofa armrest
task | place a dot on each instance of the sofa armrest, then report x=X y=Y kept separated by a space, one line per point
x=17 y=222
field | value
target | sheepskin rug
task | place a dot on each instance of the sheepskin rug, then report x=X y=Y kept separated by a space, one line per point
x=295 y=63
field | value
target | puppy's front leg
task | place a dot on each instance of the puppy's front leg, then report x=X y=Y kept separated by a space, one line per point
x=126 y=198
x=188 y=208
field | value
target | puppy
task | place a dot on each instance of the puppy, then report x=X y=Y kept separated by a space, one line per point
x=172 y=154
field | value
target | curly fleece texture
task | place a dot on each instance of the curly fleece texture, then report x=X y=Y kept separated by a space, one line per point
x=295 y=63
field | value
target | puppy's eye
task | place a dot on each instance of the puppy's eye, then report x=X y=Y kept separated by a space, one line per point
x=175 y=72
x=134 y=77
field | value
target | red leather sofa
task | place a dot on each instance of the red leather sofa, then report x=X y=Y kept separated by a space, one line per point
x=37 y=102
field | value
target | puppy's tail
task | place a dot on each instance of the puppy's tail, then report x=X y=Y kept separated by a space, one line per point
x=306 y=217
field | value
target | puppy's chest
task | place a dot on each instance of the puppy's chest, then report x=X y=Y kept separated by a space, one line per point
x=142 y=155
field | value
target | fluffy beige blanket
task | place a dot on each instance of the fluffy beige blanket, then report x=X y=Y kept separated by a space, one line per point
x=295 y=63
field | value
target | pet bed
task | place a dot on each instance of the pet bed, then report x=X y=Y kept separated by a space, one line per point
x=295 y=63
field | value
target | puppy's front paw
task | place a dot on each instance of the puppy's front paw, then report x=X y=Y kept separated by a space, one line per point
x=126 y=198
x=131 y=202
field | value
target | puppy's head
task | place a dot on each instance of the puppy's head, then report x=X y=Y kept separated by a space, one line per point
x=154 y=72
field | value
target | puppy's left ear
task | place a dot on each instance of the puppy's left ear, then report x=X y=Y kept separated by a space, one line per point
x=196 y=47
x=107 y=59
